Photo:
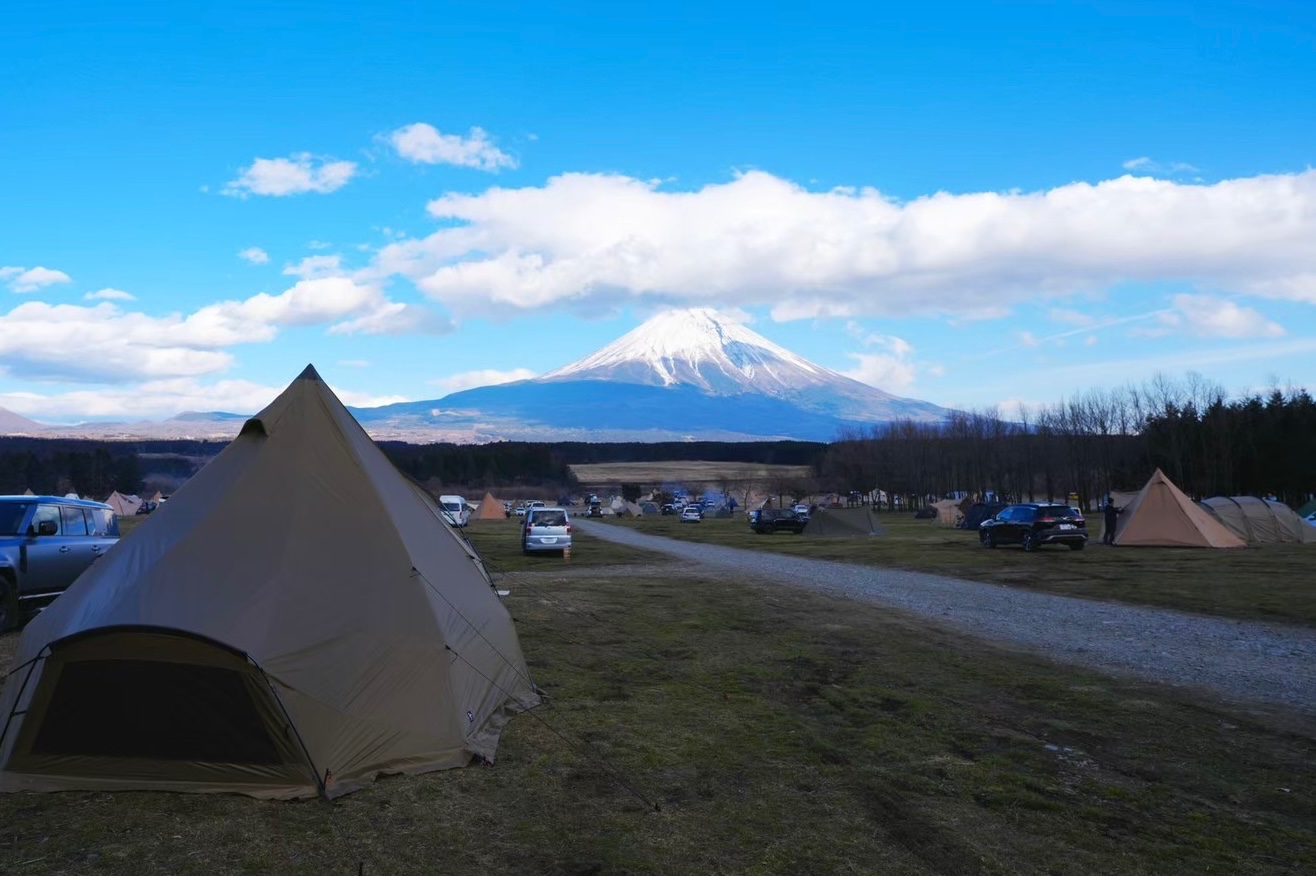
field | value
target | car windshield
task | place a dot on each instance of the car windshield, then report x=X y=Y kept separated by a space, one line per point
x=11 y=516
x=549 y=518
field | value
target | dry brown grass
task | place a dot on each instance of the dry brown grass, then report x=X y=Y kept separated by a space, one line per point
x=781 y=732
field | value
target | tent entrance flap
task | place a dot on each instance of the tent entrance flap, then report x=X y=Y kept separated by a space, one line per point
x=145 y=704
x=144 y=708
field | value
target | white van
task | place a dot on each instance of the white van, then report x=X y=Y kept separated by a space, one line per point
x=455 y=510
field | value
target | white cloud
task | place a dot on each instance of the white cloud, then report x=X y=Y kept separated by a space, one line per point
x=254 y=255
x=35 y=337
x=1090 y=341
x=1028 y=339
x=885 y=371
x=32 y=279
x=318 y=244
x=425 y=144
x=485 y=377
x=313 y=267
x=294 y=175
x=893 y=371
x=587 y=240
x=156 y=399
x=110 y=295
x=1211 y=317
x=1145 y=164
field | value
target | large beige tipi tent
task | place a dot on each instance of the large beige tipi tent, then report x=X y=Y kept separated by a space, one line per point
x=948 y=512
x=280 y=647
x=124 y=506
x=490 y=509
x=1260 y=521
x=1162 y=516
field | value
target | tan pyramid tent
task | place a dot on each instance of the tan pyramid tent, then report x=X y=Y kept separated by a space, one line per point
x=1260 y=521
x=28 y=492
x=843 y=522
x=490 y=509
x=948 y=512
x=124 y=506
x=1162 y=516
x=633 y=510
x=157 y=498
x=273 y=648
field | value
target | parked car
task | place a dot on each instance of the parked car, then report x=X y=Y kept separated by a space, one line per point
x=1311 y=518
x=772 y=520
x=45 y=543
x=454 y=510
x=691 y=514
x=802 y=511
x=1033 y=525
x=595 y=510
x=545 y=529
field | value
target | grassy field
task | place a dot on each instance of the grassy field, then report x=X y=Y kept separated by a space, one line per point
x=777 y=732
x=689 y=473
x=1272 y=583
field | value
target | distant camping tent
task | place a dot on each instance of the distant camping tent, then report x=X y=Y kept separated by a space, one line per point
x=649 y=508
x=721 y=512
x=843 y=522
x=978 y=512
x=1260 y=521
x=1308 y=509
x=490 y=509
x=618 y=507
x=124 y=506
x=28 y=492
x=633 y=510
x=1162 y=516
x=948 y=512
x=233 y=645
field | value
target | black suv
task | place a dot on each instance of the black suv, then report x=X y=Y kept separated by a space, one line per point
x=1034 y=525
x=778 y=520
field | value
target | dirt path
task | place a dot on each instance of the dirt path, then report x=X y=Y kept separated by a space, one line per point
x=1240 y=660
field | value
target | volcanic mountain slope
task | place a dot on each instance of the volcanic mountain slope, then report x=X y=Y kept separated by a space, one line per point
x=17 y=424
x=686 y=374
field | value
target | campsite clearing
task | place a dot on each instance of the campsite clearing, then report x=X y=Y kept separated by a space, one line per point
x=781 y=732
x=1270 y=583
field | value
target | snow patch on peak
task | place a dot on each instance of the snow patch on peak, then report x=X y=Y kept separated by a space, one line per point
x=697 y=346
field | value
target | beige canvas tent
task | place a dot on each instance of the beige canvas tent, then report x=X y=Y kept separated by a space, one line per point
x=124 y=506
x=948 y=512
x=1162 y=516
x=490 y=509
x=28 y=492
x=1260 y=521
x=273 y=648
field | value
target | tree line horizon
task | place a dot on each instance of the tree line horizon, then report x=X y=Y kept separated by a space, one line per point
x=1091 y=444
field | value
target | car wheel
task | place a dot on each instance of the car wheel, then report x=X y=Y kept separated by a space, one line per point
x=1076 y=545
x=8 y=604
x=1030 y=544
x=989 y=539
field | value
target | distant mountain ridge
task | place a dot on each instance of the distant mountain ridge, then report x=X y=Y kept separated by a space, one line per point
x=683 y=375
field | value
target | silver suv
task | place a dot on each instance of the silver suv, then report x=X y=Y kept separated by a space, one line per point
x=546 y=529
x=45 y=544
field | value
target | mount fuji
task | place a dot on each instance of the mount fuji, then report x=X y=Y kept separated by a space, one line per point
x=685 y=375
x=682 y=375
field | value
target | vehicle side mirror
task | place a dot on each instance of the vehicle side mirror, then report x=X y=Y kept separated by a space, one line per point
x=47 y=527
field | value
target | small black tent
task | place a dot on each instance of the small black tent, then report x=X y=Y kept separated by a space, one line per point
x=979 y=512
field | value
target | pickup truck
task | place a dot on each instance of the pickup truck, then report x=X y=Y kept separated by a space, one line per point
x=46 y=542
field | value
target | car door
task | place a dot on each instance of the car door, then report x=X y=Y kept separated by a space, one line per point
x=1006 y=530
x=104 y=530
x=82 y=548
x=49 y=559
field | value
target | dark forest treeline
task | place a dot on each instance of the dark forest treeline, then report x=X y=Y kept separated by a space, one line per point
x=97 y=468
x=1095 y=443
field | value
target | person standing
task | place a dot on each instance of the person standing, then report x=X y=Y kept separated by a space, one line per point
x=1111 y=515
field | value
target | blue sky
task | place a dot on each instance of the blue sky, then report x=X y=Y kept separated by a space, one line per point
x=969 y=203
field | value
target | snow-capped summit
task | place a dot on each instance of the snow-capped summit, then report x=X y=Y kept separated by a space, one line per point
x=697 y=347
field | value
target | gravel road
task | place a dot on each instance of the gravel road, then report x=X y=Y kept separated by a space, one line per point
x=1241 y=660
